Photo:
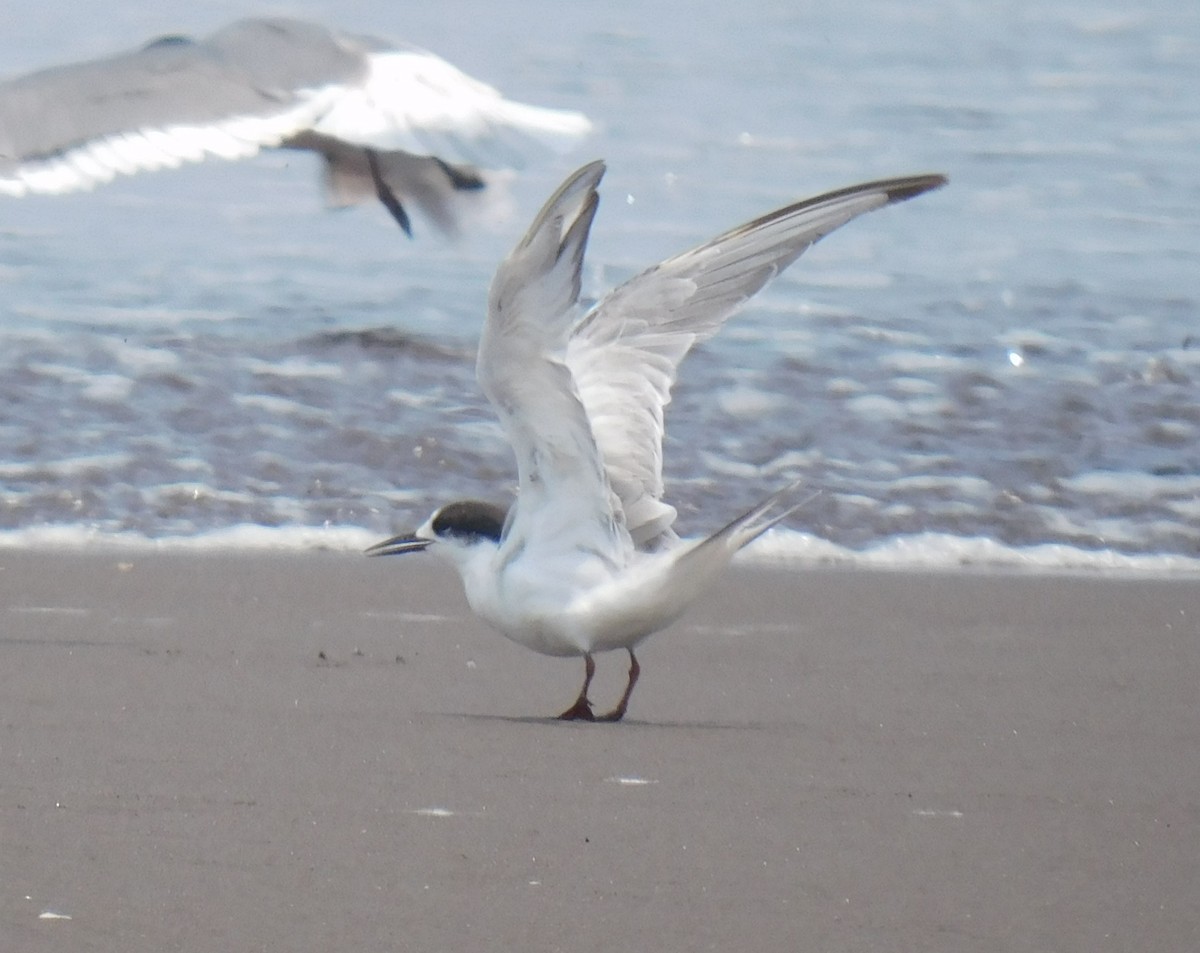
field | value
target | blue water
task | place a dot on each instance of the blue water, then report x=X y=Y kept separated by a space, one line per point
x=1009 y=365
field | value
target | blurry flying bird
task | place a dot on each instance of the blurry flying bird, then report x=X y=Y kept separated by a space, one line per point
x=390 y=121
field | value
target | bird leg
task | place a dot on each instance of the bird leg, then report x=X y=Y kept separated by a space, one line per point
x=582 y=709
x=619 y=712
x=386 y=195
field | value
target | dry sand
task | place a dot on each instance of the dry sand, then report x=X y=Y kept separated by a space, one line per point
x=818 y=761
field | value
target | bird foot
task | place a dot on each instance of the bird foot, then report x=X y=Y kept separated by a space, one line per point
x=615 y=715
x=580 y=711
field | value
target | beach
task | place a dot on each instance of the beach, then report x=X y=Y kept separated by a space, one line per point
x=950 y=707
x=319 y=751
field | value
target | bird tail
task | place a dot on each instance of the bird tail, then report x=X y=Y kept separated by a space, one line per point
x=753 y=523
x=696 y=565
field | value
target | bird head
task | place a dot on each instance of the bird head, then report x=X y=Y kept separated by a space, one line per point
x=452 y=531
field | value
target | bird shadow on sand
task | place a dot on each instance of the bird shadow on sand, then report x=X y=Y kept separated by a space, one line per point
x=626 y=723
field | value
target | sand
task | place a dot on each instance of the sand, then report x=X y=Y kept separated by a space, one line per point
x=325 y=752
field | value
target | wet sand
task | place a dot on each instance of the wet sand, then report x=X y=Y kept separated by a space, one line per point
x=325 y=752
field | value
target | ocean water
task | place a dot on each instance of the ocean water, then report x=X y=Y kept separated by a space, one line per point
x=1003 y=371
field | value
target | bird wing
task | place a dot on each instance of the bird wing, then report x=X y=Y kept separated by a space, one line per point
x=415 y=101
x=563 y=490
x=248 y=86
x=624 y=353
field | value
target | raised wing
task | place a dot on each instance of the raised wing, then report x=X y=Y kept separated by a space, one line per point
x=624 y=353
x=564 y=495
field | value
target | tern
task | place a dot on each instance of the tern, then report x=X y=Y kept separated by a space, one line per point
x=393 y=122
x=586 y=559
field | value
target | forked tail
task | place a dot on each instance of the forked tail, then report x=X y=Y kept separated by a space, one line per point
x=695 y=566
x=750 y=525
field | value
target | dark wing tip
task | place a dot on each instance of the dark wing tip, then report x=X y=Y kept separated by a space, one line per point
x=463 y=178
x=168 y=41
x=585 y=179
x=893 y=190
x=907 y=188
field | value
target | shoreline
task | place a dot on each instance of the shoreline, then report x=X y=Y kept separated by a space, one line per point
x=783 y=549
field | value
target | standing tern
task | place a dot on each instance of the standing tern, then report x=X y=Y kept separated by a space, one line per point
x=586 y=559
x=392 y=122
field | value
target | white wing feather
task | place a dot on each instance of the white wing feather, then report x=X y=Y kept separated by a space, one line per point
x=414 y=101
x=581 y=399
x=624 y=353
x=563 y=491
